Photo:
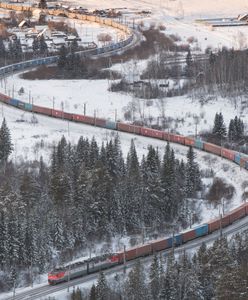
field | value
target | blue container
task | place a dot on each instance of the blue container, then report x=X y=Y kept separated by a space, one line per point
x=28 y=106
x=198 y=144
x=178 y=239
x=201 y=230
x=237 y=157
x=111 y=124
x=169 y=241
x=13 y=102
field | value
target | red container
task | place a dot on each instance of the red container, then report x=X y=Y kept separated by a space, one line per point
x=152 y=133
x=189 y=141
x=42 y=110
x=189 y=235
x=213 y=225
x=175 y=138
x=225 y=221
x=159 y=245
x=100 y=122
x=130 y=254
x=246 y=208
x=166 y=136
x=67 y=116
x=212 y=148
x=143 y=250
x=229 y=154
x=4 y=98
x=57 y=113
x=83 y=119
x=237 y=213
x=129 y=128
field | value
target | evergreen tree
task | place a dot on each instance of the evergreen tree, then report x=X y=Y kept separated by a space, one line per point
x=42 y=4
x=189 y=64
x=155 y=278
x=219 y=129
x=62 y=61
x=6 y=146
x=42 y=45
x=102 y=289
x=192 y=174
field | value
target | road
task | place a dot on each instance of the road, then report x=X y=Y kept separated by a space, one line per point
x=46 y=290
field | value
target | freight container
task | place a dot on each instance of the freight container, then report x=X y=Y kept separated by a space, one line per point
x=13 y=102
x=152 y=133
x=189 y=141
x=189 y=235
x=174 y=138
x=166 y=136
x=201 y=230
x=129 y=128
x=42 y=110
x=160 y=245
x=57 y=113
x=21 y=104
x=4 y=98
x=144 y=250
x=237 y=213
x=229 y=154
x=84 y=119
x=100 y=122
x=67 y=116
x=178 y=239
x=199 y=144
x=237 y=157
x=213 y=225
x=212 y=148
x=28 y=106
x=111 y=125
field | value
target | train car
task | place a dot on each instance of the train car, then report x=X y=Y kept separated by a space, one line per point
x=111 y=125
x=218 y=223
x=67 y=116
x=21 y=105
x=100 y=122
x=175 y=138
x=83 y=119
x=28 y=106
x=237 y=158
x=212 y=148
x=159 y=245
x=42 y=110
x=189 y=141
x=151 y=133
x=4 y=98
x=194 y=233
x=237 y=213
x=199 y=144
x=57 y=113
x=128 y=128
x=229 y=154
x=13 y=102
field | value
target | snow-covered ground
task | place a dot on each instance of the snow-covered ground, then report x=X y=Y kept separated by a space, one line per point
x=33 y=140
x=73 y=95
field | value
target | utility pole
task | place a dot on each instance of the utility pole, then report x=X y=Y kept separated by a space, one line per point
x=124 y=259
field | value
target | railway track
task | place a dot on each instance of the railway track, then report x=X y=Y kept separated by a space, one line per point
x=47 y=290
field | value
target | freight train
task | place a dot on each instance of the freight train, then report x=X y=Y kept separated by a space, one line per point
x=96 y=264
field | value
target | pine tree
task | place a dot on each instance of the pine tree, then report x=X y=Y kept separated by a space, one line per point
x=189 y=64
x=219 y=129
x=62 y=61
x=6 y=146
x=93 y=295
x=154 y=278
x=42 y=45
x=192 y=174
x=102 y=289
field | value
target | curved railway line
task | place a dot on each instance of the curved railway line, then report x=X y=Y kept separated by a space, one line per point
x=233 y=222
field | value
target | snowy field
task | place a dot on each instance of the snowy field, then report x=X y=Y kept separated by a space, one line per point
x=72 y=95
x=33 y=140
